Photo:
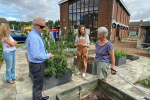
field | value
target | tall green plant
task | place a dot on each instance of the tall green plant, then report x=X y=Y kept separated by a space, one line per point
x=1 y=50
x=58 y=65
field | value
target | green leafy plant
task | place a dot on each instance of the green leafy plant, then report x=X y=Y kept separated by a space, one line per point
x=58 y=65
x=145 y=82
x=1 y=51
x=120 y=54
x=70 y=38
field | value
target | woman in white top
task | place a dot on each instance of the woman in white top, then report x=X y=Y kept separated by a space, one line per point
x=8 y=52
x=81 y=42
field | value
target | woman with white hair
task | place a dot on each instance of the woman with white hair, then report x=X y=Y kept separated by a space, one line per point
x=104 y=50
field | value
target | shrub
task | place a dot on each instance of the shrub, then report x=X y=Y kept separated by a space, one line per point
x=57 y=66
x=1 y=51
x=120 y=54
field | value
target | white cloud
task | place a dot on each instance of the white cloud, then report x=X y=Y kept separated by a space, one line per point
x=49 y=9
x=139 y=9
x=28 y=9
x=12 y=19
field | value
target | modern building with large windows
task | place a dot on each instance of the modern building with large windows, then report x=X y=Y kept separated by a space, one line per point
x=112 y=14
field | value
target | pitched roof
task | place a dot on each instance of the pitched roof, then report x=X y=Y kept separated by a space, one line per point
x=3 y=20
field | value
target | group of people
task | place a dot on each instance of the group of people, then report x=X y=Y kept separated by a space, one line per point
x=37 y=54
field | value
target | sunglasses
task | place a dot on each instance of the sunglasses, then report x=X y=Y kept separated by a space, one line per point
x=40 y=26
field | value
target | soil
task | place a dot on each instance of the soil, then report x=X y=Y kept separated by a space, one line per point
x=126 y=47
x=92 y=51
x=90 y=60
x=98 y=95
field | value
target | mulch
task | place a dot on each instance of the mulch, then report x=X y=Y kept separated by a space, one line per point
x=126 y=47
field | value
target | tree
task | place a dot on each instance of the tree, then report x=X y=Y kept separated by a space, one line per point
x=57 y=22
x=50 y=23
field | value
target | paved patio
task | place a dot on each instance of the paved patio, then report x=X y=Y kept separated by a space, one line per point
x=22 y=89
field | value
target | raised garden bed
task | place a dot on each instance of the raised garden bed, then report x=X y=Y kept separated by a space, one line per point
x=50 y=82
x=89 y=64
x=132 y=57
x=119 y=61
x=82 y=91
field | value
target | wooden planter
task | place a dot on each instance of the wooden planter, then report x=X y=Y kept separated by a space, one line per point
x=132 y=57
x=50 y=82
x=81 y=91
x=89 y=65
x=119 y=61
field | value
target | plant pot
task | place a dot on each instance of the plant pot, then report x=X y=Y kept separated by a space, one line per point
x=89 y=65
x=83 y=90
x=132 y=57
x=50 y=82
x=119 y=61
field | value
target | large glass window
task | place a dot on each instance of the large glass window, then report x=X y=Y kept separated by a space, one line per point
x=96 y=2
x=91 y=2
x=78 y=4
x=84 y=12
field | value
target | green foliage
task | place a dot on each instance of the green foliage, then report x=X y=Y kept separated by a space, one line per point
x=120 y=54
x=145 y=82
x=70 y=38
x=57 y=66
x=1 y=50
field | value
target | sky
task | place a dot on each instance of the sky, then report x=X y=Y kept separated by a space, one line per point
x=26 y=10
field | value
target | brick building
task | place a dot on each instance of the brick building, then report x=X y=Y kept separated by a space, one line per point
x=134 y=26
x=112 y=14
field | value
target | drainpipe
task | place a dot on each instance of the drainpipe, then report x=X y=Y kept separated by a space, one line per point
x=112 y=19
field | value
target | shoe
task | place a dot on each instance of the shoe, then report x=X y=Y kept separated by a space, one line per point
x=83 y=75
x=11 y=82
x=45 y=98
x=78 y=73
x=15 y=79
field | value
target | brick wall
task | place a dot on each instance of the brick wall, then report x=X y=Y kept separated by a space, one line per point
x=64 y=16
x=105 y=14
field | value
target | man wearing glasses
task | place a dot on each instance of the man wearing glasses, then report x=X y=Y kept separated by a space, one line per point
x=37 y=55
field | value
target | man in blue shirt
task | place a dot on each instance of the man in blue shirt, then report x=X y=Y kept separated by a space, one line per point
x=37 y=55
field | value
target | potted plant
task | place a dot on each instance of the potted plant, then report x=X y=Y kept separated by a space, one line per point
x=132 y=57
x=120 y=57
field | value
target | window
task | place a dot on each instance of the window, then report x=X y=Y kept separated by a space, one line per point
x=91 y=9
x=91 y=2
x=95 y=24
x=96 y=2
x=86 y=3
x=95 y=15
x=86 y=16
x=96 y=8
x=78 y=23
x=90 y=24
x=84 y=12
x=70 y=6
x=78 y=16
x=74 y=5
x=78 y=4
x=70 y=11
x=70 y=17
x=74 y=17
